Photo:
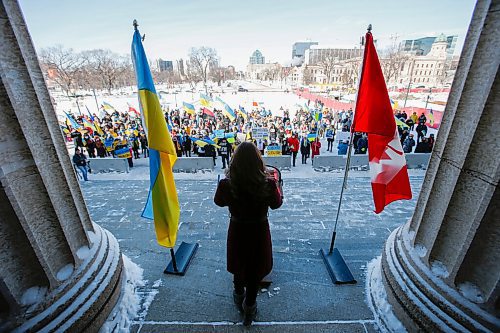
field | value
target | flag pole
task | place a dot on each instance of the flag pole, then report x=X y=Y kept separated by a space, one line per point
x=344 y=186
x=335 y=263
x=346 y=172
x=181 y=258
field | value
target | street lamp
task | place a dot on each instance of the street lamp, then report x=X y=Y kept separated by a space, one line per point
x=428 y=96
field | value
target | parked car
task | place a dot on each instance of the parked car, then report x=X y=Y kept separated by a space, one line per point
x=241 y=89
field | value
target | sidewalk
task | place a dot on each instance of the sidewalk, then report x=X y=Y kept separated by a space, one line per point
x=301 y=298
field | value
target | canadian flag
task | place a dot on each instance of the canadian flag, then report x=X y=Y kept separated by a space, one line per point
x=374 y=115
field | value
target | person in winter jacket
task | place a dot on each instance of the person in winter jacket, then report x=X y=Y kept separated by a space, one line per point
x=408 y=144
x=293 y=144
x=80 y=161
x=342 y=147
x=421 y=131
x=422 y=119
x=305 y=149
x=362 y=145
x=422 y=146
x=315 y=148
x=224 y=152
x=248 y=192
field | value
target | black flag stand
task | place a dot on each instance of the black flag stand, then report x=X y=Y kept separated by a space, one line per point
x=181 y=259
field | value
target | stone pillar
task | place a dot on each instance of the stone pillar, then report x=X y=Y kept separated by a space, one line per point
x=441 y=270
x=58 y=270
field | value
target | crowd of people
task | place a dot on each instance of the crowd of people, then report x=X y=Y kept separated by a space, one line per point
x=214 y=133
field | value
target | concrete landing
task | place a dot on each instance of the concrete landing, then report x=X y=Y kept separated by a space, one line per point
x=301 y=298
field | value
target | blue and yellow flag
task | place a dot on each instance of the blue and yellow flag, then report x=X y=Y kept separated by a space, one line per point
x=430 y=115
x=205 y=100
x=72 y=121
x=162 y=204
x=228 y=112
x=189 y=108
x=401 y=124
x=108 y=107
x=241 y=110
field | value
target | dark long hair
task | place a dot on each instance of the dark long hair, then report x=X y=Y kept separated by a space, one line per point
x=247 y=173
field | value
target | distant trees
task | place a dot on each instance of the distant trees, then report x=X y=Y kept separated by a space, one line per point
x=63 y=64
x=93 y=69
x=201 y=61
x=105 y=70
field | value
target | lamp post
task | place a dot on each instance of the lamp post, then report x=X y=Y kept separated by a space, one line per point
x=428 y=96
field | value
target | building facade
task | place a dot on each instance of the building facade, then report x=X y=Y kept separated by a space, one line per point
x=423 y=46
x=257 y=58
x=165 y=65
x=320 y=54
x=431 y=70
x=299 y=48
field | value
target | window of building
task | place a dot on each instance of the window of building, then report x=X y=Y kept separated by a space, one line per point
x=427 y=79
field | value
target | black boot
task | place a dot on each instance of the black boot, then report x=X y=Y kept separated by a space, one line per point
x=249 y=313
x=238 y=300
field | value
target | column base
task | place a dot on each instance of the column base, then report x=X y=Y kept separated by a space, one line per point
x=84 y=301
x=420 y=300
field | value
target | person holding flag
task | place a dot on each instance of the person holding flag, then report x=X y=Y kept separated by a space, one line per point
x=162 y=204
x=374 y=115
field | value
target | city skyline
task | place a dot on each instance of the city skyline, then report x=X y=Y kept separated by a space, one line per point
x=236 y=30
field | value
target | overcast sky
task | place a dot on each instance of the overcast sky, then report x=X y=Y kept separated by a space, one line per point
x=237 y=28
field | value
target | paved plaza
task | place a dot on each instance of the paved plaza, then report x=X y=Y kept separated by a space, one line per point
x=301 y=298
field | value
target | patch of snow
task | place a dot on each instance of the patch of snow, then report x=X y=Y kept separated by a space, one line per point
x=471 y=292
x=92 y=236
x=120 y=319
x=65 y=272
x=277 y=289
x=157 y=283
x=439 y=269
x=420 y=250
x=83 y=252
x=377 y=295
x=33 y=295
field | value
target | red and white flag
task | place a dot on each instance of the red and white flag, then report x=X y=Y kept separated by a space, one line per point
x=374 y=115
x=133 y=110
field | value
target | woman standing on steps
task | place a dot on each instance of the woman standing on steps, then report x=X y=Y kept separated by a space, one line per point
x=248 y=192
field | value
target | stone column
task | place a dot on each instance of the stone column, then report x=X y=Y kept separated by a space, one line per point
x=58 y=270
x=441 y=270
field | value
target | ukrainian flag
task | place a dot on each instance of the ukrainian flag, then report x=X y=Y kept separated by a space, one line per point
x=228 y=112
x=430 y=115
x=162 y=204
x=401 y=124
x=243 y=113
x=72 y=121
x=189 y=108
x=205 y=100
x=108 y=107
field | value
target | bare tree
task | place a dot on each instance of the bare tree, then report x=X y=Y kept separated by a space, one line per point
x=65 y=65
x=192 y=75
x=218 y=74
x=307 y=76
x=328 y=63
x=392 y=61
x=108 y=66
x=201 y=59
